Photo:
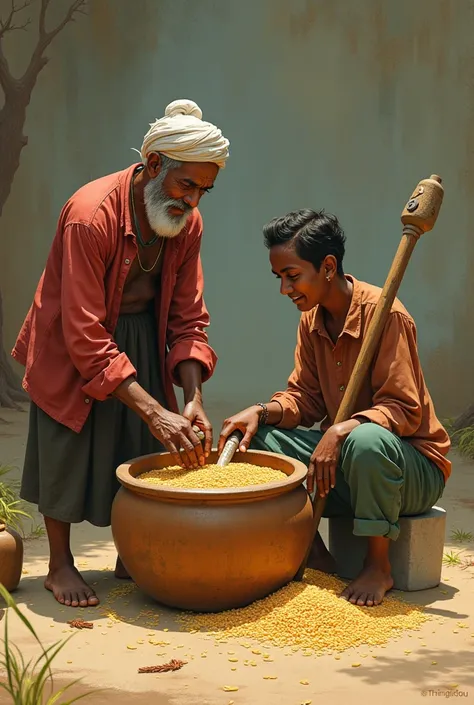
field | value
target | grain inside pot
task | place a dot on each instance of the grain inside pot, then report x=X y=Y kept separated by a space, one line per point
x=213 y=476
x=310 y=615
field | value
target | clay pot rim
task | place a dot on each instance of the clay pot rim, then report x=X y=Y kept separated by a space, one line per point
x=296 y=478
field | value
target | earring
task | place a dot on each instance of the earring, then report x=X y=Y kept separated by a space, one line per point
x=328 y=278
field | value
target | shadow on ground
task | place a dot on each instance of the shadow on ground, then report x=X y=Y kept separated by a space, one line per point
x=123 y=601
x=452 y=669
x=110 y=696
x=425 y=598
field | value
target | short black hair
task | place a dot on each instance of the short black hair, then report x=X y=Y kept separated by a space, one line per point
x=315 y=234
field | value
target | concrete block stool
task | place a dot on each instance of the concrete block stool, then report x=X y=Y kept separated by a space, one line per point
x=416 y=556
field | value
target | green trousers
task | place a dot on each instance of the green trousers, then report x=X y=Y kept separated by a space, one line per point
x=380 y=477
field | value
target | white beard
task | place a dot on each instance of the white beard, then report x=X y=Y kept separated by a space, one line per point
x=157 y=205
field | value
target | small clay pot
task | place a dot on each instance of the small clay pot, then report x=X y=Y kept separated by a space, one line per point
x=11 y=558
x=213 y=549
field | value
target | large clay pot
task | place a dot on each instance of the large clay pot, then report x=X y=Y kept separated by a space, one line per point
x=11 y=558
x=216 y=549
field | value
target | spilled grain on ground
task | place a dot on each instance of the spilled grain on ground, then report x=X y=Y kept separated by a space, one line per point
x=310 y=616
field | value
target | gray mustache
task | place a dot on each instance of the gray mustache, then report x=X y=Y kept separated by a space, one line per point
x=178 y=204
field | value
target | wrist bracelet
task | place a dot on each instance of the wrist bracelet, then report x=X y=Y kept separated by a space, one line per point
x=264 y=416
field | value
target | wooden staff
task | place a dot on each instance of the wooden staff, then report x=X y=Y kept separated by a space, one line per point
x=418 y=217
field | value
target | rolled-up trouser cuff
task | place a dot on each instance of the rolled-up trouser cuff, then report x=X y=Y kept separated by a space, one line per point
x=376 y=527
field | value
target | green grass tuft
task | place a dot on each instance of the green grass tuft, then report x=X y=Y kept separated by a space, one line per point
x=12 y=509
x=452 y=558
x=463 y=441
x=28 y=682
x=461 y=536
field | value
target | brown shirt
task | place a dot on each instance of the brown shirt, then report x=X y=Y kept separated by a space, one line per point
x=394 y=395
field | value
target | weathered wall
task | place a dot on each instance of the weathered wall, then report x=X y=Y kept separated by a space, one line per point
x=331 y=103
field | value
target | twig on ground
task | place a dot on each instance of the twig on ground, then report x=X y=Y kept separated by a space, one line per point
x=80 y=624
x=173 y=665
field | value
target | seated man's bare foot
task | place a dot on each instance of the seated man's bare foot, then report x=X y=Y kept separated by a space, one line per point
x=320 y=558
x=69 y=588
x=369 y=588
x=120 y=570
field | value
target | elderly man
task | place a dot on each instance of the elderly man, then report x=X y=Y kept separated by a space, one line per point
x=118 y=318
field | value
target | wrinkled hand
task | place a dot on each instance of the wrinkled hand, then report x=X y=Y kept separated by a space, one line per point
x=245 y=421
x=194 y=412
x=323 y=463
x=177 y=435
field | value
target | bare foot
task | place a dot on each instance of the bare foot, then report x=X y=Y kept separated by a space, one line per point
x=320 y=558
x=69 y=588
x=369 y=587
x=120 y=571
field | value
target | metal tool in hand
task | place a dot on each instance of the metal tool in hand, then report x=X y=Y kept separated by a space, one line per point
x=418 y=217
x=229 y=449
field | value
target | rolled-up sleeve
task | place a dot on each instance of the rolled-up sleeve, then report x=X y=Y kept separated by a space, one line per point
x=91 y=347
x=395 y=379
x=188 y=316
x=302 y=402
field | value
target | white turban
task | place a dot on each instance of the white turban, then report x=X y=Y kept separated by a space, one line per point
x=184 y=136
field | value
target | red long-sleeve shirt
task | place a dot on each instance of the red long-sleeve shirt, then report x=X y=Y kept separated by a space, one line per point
x=67 y=341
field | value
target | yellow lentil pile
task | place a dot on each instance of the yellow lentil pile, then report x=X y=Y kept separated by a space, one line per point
x=310 y=616
x=213 y=476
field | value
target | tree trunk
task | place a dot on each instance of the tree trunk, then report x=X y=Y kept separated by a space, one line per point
x=12 y=141
x=17 y=95
x=11 y=391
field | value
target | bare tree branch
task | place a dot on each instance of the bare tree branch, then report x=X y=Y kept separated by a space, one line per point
x=9 y=25
x=7 y=81
x=38 y=61
x=13 y=113
x=42 y=16
x=47 y=37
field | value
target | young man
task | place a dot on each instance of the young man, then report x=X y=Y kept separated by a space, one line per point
x=117 y=318
x=389 y=459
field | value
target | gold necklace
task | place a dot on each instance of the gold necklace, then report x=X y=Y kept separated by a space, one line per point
x=141 y=242
x=147 y=271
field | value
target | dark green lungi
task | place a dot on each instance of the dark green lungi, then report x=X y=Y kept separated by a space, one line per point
x=380 y=477
x=71 y=476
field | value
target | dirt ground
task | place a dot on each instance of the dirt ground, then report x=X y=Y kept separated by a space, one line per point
x=437 y=661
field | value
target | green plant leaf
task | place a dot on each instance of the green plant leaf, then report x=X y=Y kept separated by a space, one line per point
x=12 y=604
x=44 y=673
x=6 y=470
x=463 y=440
x=27 y=681
x=8 y=655
x=12 y=509
x=81 y=697
x=53 y=700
